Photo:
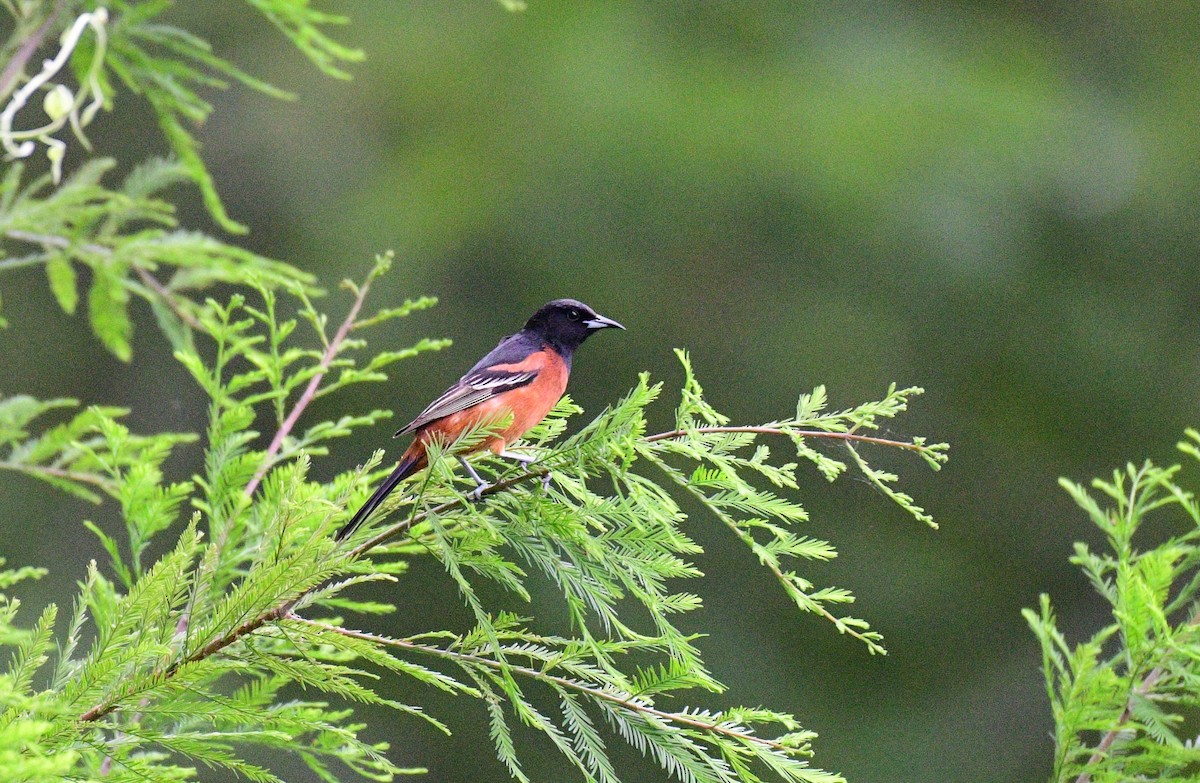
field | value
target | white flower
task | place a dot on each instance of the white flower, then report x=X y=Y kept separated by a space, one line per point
x=60 y=104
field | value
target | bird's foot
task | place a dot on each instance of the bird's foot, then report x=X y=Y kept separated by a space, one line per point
x=526 y=461
x=481 y=486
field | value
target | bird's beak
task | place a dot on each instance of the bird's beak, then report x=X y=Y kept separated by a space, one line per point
x=600 y=322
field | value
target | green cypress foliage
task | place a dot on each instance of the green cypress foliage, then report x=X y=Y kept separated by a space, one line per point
x=249 y=636
x=190 y=660
x=1124 y=700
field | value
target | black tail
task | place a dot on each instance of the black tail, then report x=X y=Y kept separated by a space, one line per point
x=409 y=465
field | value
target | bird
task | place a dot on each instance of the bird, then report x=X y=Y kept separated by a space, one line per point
x=518 y=382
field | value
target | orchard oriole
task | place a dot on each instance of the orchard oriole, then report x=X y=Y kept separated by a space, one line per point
x=519 y=381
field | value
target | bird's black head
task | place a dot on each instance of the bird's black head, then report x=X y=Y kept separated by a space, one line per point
x=566 y=323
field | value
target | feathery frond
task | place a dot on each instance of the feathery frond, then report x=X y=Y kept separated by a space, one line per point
x=1121 y=699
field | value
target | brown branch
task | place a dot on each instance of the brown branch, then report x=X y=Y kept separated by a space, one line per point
x=216 y=645
x=843 y=436
x=565 y=682
x=389 y=533
x=284 y=609
x=310 y=392
x=253 y=624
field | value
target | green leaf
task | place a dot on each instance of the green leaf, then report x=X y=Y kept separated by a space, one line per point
x=18 y=411
x=62 y=282
x=187 y=148
x=108 y=303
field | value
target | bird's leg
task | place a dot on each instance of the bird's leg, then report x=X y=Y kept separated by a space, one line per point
x=523 y=459
x=526 y=461
x=480 y=484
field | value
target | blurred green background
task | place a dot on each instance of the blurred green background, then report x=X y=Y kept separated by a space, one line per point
x=995 y=201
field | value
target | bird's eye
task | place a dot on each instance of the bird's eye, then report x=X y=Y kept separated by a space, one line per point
x=573 y=315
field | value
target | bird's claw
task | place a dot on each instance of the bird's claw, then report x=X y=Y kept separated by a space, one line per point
x=477 y=493
x=546 y=481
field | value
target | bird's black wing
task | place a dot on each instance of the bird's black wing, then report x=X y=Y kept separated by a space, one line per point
x=481 y=383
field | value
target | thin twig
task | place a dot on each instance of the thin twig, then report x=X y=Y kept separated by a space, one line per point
x=62 y=243
x=152 y=282
x=565 y=682
x=310 y=392
x=35 y=259
x=387 y=534
x=63 y=473
x=168 y=297
x=401 y=527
